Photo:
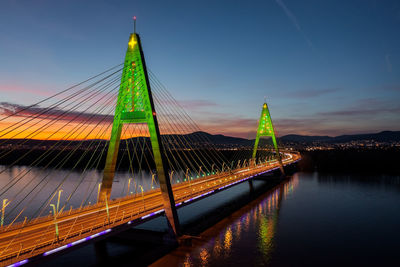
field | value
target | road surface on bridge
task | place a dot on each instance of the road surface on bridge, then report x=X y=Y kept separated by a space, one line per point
x=21 y=241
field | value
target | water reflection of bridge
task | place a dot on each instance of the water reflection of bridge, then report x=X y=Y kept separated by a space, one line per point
x=256 y=221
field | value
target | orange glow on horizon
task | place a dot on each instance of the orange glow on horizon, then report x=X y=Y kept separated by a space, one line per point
x=52 y=130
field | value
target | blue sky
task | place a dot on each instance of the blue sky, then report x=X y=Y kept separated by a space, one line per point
x=325 y=67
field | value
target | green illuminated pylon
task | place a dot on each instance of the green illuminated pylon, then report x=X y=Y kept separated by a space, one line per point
x=135 y=105
x=265 y=128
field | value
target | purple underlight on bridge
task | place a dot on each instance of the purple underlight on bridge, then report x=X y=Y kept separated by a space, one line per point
x=152 y=214
x=18 y=263
x=76 y=242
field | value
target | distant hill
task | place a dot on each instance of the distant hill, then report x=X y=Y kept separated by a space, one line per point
x=304 y=138
x=385 y=136
x=220 y=140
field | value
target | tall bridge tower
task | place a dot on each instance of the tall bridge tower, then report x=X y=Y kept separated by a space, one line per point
x=266 y=128
x=135 y=105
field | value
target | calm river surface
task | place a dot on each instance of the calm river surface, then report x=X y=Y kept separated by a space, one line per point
x=310 y=220
x=32 y=190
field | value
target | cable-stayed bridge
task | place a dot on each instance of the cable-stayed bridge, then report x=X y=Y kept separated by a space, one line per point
x=109 y=153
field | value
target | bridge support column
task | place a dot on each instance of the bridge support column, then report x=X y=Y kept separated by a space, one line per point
x=135 y=105
x=251 y=186
x=266 y=128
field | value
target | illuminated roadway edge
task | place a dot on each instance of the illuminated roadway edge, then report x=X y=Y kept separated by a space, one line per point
x=119 y=228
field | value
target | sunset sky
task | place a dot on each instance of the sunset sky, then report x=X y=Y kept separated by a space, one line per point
x=325 y=67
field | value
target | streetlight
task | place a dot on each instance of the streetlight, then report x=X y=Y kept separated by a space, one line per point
x=98 y=192
x=5 y=204
x=152 y=180
x=129 y=184
x=55 y=212
x=58 y=199
x=141 y=188
x=55 y=220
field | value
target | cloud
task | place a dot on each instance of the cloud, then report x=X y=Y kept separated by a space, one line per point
x=393 y=88
x=307 y=126
x=365 y=107
x=361 y=112
x=6 y=88
x=196 y=104
x=312 y=93
x=294 y=20
x=227 y=124
x=169 y=102
x=37 y=112
x=231 y=123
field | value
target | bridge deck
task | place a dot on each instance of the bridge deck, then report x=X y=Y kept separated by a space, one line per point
x=19 y=241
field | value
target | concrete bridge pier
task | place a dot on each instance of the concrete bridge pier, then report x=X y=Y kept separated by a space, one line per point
x=251 y=186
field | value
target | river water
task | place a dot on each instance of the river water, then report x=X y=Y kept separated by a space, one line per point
x=32 y=190
x=309 y=220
